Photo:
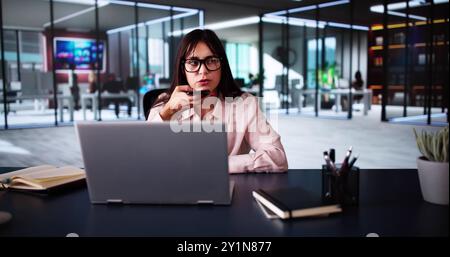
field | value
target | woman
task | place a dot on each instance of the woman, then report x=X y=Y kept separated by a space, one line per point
x=357 y=84
x=202 y=66
x=74 y=89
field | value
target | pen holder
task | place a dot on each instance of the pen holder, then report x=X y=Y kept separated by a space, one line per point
x=342 y=188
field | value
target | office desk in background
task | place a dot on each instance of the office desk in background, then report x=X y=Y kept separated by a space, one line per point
x=338 y=93
x=390 y=205
x=93 y=97
x=38 y=98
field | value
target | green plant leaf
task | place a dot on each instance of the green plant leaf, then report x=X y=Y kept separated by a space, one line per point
x=433 y=146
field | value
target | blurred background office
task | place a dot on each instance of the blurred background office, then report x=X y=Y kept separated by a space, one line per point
x=67 y=60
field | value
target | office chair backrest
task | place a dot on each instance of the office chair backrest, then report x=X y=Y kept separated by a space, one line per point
x=295 y=83
x=150 y=97
x=279 y=83
x=45 y=82
x=114 y=86
x=29 y=82
x=240 y=82
x=132 y=83
x=343 y=83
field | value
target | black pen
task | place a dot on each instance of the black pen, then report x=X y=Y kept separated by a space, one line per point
x=332 y=155
x=353 y=161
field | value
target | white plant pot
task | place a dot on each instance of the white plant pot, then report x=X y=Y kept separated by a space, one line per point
x=433 y=178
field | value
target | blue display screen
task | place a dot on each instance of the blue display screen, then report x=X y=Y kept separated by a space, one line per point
x=79 y=52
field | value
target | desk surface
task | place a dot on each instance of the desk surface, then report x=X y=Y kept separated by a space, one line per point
x=390 y=205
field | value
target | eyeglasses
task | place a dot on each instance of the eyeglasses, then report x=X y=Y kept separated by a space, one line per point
x=212 y=63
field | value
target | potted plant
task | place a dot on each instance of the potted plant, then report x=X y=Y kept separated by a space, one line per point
x=433 y=165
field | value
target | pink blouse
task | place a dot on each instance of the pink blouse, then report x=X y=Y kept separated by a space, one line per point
x=253 y=145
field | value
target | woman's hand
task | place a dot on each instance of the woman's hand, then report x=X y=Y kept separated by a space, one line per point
x=178 y=100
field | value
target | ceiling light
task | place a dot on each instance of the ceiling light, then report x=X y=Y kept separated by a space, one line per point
x=402 y=5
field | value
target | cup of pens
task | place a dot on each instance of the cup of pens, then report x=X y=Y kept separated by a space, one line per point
x=340 y=181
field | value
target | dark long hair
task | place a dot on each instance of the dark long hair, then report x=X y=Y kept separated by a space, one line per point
x=227 y=87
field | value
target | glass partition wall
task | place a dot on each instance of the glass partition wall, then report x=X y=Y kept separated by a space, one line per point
x=317 y=53
x=74 y=51
x=274 y=72
x=85 y=60
x=302 y=60
x=327 y=59
x=28 y=90
x=417 y=61
x=241 y=46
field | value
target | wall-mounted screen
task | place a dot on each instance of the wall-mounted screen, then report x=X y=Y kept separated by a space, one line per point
x=80 y=52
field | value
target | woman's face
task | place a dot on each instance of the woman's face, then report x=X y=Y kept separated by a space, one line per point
x=204 y=78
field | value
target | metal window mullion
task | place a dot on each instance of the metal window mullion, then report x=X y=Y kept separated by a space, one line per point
x=52 y=34
x=2 y=42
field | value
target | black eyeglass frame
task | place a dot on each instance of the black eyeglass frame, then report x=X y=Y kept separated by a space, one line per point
x=202 y=62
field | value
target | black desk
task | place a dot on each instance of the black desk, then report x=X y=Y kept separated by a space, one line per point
x=390 y=205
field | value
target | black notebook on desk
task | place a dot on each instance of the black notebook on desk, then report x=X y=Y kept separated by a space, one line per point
x=294 y=202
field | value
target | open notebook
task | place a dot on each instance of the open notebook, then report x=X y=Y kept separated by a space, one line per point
x=42 y=178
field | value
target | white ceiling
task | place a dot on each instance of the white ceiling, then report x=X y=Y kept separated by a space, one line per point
x=35 y=13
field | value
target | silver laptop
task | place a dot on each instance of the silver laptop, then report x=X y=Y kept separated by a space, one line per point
x=142 y=163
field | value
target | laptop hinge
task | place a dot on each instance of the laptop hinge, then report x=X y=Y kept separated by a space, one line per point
x=205 y=202
x=114 y=201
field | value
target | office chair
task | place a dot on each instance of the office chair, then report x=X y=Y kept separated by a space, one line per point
x=282 y=89
x=132 y=83
x=240 y=82
x=150 y=97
